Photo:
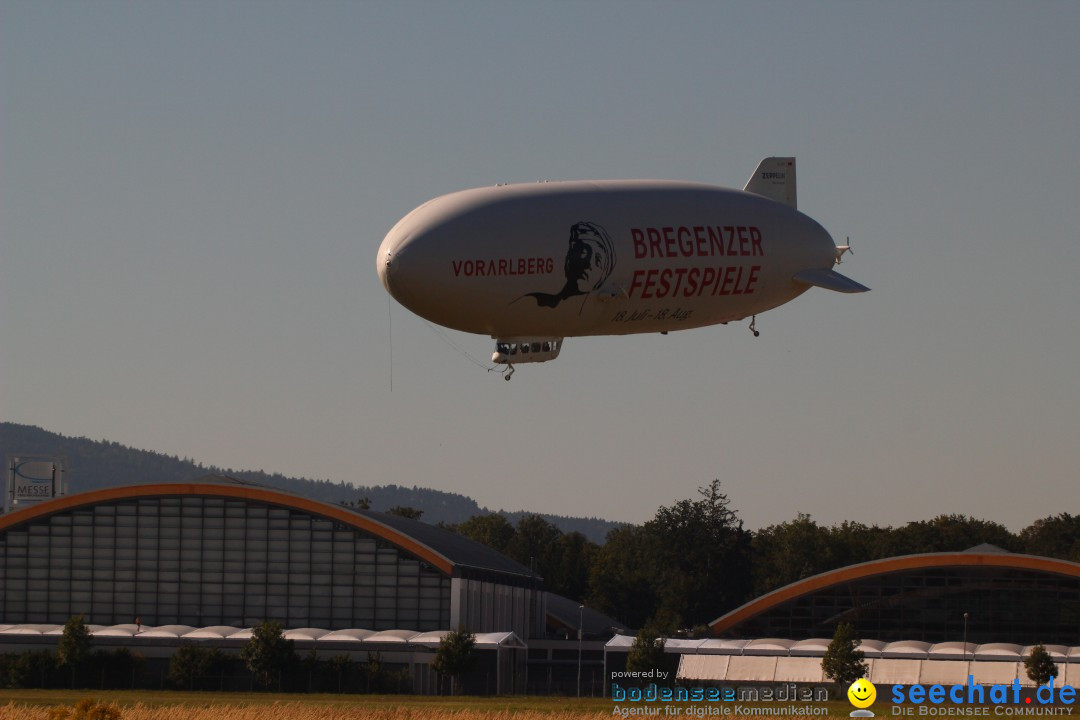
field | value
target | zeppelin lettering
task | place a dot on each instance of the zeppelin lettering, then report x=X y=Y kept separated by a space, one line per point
x=698 y=241
x=694 y=282
x=503 y=266
x=660 y=243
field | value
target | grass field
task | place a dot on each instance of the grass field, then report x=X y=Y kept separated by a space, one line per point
x=151 y=705
x=153 y=698
x=36 y=705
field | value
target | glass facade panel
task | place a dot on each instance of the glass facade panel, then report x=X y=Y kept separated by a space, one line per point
x=208 y=561
x=930 y=605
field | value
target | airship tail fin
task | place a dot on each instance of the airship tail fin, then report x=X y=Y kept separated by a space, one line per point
x=775 y=179
x=830 y=280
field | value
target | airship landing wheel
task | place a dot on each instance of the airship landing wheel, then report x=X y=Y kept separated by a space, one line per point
x=509 y=373
x=753 y=326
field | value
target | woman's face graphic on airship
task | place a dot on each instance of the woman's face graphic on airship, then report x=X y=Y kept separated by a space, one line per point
x=589 y=258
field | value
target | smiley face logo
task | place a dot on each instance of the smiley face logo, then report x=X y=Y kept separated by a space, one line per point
x=862 y=693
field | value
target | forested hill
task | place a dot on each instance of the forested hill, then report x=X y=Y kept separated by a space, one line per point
x=98 y=464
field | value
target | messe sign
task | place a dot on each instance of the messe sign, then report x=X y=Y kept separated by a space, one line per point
x=34 y=479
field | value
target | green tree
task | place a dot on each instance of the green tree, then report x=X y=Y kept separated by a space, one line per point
x=685 y=567
x=853 y=542
x=534 y=544
x=309 y=664
x=73 y=649
x=375 y=673
x=115 y=666
x=569 y=574
x=492 y=530
x=647 y=653
x=341 y=667
x=950 y=533
x=455 y=655
x=30 y=669
x=406 y=512
x=1039 y=665
x=384 y=681
x=268 y=654
x=699 y=558
x=1057 y=536
x=192 y=663
x=789 y=552
x=843 y=662
x=620 y=580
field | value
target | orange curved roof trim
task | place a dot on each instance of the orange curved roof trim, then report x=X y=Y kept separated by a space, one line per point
x=889 y=565
x=256 y=494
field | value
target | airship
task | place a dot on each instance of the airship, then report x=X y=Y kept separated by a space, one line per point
x=535 y=263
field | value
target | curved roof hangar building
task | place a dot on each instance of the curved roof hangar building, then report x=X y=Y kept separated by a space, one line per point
x=224 y=552
x=1006 y=597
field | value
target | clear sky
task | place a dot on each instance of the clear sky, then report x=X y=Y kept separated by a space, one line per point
x=192 y=195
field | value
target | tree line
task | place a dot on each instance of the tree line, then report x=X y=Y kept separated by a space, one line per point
x=694 y=560
x=270 y=659
x=99 y=464
x=267 y=661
